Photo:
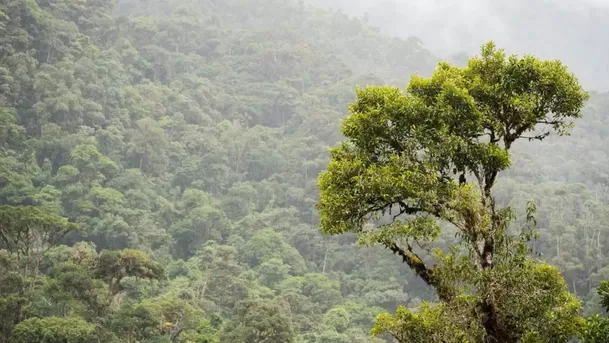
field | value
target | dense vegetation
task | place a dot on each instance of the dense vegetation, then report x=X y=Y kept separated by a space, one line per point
x=158 y=166
x=401 y=181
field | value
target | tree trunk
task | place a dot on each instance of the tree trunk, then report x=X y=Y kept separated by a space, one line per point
x=323 y=270
x=491 y=326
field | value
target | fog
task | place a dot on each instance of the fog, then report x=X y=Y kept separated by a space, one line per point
x=165 y=173
x=571 y=30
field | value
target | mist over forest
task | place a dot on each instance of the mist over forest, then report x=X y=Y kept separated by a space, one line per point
x=295 y=171
x=569 y=30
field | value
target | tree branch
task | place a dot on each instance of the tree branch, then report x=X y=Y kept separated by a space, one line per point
x=539 y=137
x=549 y=122
x=413 y=261
x=418 y=266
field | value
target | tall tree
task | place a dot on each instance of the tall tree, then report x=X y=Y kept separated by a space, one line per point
x=409 y=155
x=28 y=232
x=114 y=266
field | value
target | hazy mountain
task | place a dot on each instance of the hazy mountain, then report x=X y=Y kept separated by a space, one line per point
x=570 y=30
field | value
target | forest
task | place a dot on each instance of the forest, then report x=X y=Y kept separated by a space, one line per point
x=169 y=172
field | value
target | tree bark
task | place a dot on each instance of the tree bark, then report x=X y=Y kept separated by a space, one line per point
x=418 y=266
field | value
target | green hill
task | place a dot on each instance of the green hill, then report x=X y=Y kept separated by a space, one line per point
x=183 y=139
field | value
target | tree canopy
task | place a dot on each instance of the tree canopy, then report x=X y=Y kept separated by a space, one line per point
x=408 y=157
x=158 y=168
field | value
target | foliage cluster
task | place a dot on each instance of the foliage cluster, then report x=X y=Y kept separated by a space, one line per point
x=158 y=165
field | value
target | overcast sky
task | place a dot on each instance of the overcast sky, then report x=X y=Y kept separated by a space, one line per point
x=575 y=31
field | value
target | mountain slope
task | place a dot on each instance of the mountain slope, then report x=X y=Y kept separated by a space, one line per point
x=194 y=131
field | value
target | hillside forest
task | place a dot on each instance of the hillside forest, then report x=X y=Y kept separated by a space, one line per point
x=165 y=176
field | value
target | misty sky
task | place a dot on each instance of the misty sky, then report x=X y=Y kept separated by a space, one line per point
x=574 y=31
